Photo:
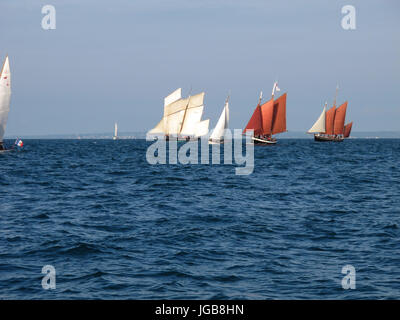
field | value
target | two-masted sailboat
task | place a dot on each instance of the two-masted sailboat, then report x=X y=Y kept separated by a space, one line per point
x=115 y=137
x=182 y=117
x=330 y=125
x=219 y=132
x=5 y=95
x=268 y=118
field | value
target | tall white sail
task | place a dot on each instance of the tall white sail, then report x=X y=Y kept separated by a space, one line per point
x=193 y=114
x=172 y=97
x=115 y=130
x=5 y=94
x=173 y=116
x=159 y=128
x=191 y=120
x=319 y=125
x=181 y=116
x=202 y=128
x=222 y=124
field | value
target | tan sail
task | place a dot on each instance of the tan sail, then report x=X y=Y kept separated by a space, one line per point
x=181 y=116
x=319 y=125
x=202 y=128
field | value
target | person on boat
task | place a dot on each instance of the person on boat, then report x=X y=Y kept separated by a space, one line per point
x=2 y=146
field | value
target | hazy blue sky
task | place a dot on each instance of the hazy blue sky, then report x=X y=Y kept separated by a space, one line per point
x=116 y=60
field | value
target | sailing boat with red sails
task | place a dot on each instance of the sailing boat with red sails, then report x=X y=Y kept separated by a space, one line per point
x=330 y=125
x=268 y=118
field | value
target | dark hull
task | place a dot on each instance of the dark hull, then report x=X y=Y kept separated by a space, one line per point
x=327 y=138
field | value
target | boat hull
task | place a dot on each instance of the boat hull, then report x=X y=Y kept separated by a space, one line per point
x=327 y=138
x=215 y=141
x=263 y=141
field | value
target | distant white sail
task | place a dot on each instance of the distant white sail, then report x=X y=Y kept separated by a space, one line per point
x=222 y=124
x=319 y=125
x=5 y=94
x=116 y=130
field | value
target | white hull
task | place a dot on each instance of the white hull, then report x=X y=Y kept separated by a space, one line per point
x=215 y=141
x=260 y=141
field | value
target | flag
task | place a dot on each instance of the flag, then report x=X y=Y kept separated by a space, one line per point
x=20 y=143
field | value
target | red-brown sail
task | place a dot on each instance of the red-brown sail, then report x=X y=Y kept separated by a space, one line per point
x=267 y=112
x=255 y=122
x=279 y=115
x=340 y=117
x=347 y=129
x=329 y=120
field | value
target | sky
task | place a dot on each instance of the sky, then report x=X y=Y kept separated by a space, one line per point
x=110 y=61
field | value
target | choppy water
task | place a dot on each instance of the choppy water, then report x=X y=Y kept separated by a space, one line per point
x=114 y=226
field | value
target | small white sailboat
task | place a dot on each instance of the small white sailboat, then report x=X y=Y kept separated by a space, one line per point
x=115 y=137
x=182 y=117
x=5 y=95
x=218 y=133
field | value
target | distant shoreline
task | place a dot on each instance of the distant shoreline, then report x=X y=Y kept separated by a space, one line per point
x=142 y=135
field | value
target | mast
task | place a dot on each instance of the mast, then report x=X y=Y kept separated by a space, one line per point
x=259 y=100
x=184 y=115
x=334 y=101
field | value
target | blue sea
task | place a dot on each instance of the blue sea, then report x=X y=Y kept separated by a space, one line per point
x=115 y=227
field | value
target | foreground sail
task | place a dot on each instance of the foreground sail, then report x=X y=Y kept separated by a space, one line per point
x=5 y=94
x=182 y=117
x=115 y=137
x=268 y=119
x=218 y=133
x=330 y=125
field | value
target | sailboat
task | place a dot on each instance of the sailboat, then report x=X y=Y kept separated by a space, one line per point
x=268 y=118
x=182 y=117
x=218 y=133
x=5 y=94
x=115 y=137
x=330 y=125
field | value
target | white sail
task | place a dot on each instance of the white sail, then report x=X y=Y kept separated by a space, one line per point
x=5 y=94
x=174 y=96
x=319 y=125
x=193 y=114
x=202 y=128
x=173 y=116
x=181 y=116
x=222 y=124
x=159 y=128
x=115 y=130
x=192 y=119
